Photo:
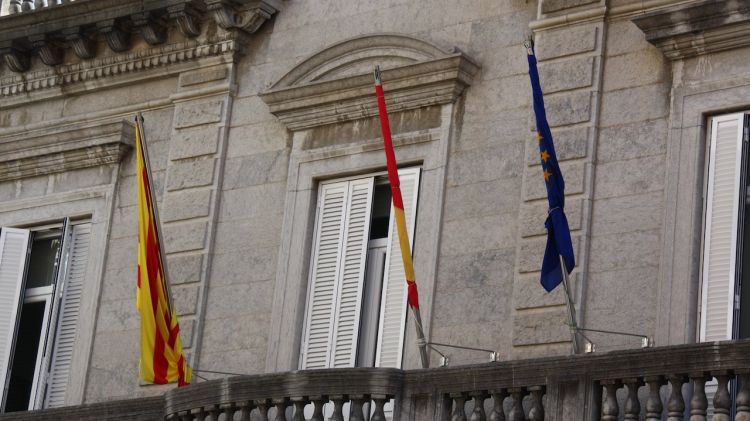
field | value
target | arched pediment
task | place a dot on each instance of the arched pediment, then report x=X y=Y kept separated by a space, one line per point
x=336 y=84
x=360 y=55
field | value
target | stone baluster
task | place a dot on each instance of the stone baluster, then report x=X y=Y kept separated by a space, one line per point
x=477 y=414
x=318 y=402
x=516 y=409
x=213 y=413
x=379 y=414
x=610 y=407
x=228 y=411
x=15 y=7
x=198 y=414
x=186 y=416
x=338 y=408
x=27 y=5
x=498 y=397
x=699 y=402
x=262 y=406
x=299 y=408
x=722 y=401
x=245 y=409
x=654 y=406
x=280 y=405
x=632 y=405
x=536 y=411
x=676 y=403
x=459 y=401
x=356 y=410
x=742 y=401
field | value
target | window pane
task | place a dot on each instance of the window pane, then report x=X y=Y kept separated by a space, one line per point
x=381 y=211
x=24 y=357
x=42 y=262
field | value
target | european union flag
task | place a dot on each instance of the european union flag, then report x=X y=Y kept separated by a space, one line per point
x=558 y=232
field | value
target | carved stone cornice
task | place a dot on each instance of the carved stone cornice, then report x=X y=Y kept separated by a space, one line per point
x=57 y=149
x=696 y=28
x=151 y=59
x=49 y=49
x=246 y=15
x=337 y=85
x=76 y=25
x=17 y=55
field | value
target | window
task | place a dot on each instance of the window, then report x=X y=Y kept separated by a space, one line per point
x=726 y=231
x=356 y=304
x=41 y=282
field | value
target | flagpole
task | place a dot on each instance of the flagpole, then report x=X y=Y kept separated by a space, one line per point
x=157 y=222
x=572 y=323
x=399 y=219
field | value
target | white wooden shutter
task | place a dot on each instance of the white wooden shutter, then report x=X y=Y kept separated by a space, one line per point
x=720 y=239
x=393 y=304
x=65 y=334
x=322 y=293
x=352 y=273
x=14 y=246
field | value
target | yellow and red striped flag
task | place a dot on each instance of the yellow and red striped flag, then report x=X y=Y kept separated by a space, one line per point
x=162 y=360
x=398 y=208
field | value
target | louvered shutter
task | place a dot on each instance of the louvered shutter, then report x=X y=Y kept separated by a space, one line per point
x=393 y=305
x=14 y=246
x=352 y=273
x=721 y=226
x=65 y=334
x=321 y=301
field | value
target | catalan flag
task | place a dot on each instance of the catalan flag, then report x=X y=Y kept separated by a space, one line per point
x=162 y=360
x=558 y=233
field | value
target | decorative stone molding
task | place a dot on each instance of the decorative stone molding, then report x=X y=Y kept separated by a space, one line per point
x=58 y=149
x=696 y=28
x=132 y=62
x=241 y=14
x=336 y=84
x=76 y=24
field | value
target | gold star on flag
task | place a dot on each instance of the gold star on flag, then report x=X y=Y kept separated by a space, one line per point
x=547 y=175
x=544 y=155
x=539 y=136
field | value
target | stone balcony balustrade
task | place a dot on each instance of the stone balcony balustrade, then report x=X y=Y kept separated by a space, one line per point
x=666 y=383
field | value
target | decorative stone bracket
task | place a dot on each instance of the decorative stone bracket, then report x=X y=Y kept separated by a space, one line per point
x=691 y=29
x=337 y=85
x=59 y=149
x=48 y=30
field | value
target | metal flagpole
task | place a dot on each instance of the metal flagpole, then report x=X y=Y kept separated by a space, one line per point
x=157 y=222
x=571 y=307
x=399 y=218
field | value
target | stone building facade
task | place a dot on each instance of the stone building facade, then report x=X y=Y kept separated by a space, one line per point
x=252 y=107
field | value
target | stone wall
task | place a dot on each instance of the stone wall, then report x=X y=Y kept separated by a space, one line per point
x=236 y=188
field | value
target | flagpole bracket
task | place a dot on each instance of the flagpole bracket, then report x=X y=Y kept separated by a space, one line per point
x=493 y=357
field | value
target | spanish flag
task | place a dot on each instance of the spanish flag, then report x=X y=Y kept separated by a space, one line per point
x=162 y=360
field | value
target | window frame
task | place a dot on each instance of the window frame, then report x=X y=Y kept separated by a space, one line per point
x=377 y=178
x=53 y=297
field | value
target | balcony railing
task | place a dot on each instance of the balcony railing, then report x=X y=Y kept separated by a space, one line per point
x=672 y=382
x=20 y=6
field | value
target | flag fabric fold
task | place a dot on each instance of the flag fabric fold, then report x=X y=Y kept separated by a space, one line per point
x=161 y=360
x=558 y=232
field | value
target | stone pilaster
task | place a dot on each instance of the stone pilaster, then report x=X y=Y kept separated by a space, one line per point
x=193 y=182
x=570 y=60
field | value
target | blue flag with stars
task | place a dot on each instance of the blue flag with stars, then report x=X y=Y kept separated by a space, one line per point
x=558 y=233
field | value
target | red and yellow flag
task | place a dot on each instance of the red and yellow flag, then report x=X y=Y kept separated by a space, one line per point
x=398 y=202
x=412 y=295
x=162 y=360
